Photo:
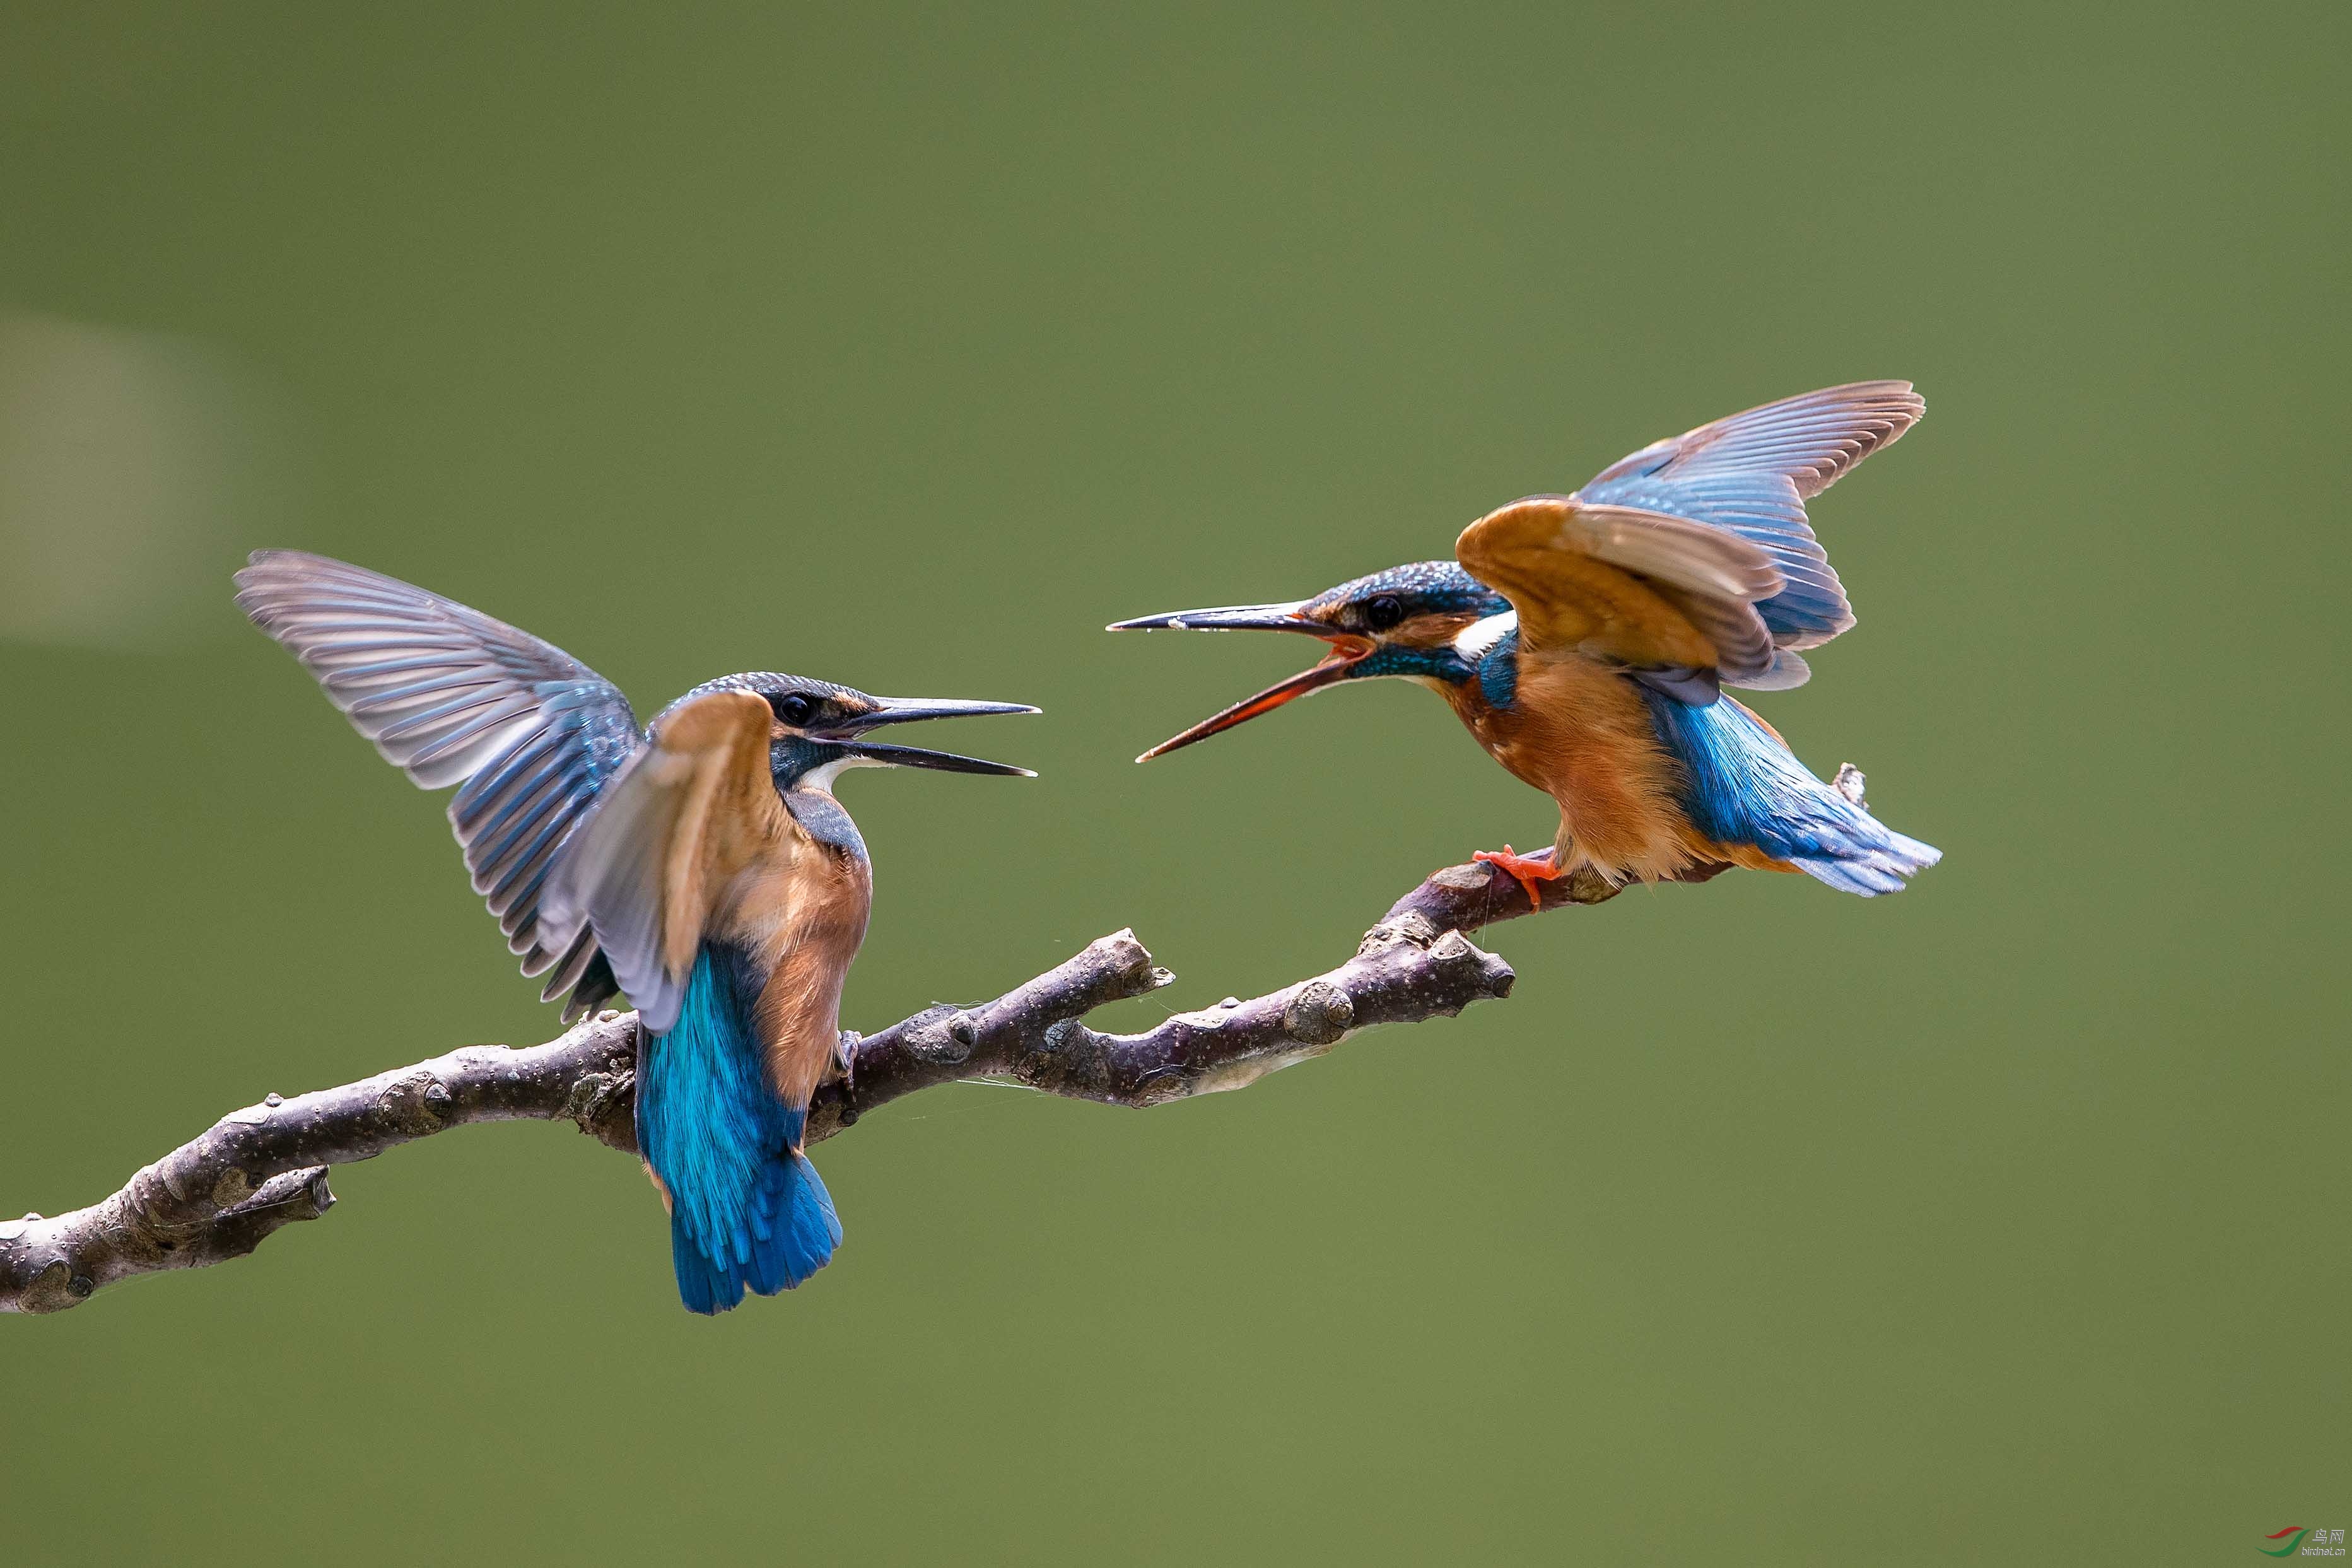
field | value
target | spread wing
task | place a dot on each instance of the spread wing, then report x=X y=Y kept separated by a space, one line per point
x=449 y=695
x=1663 y=596
x=692 y=810
x=1752 y=473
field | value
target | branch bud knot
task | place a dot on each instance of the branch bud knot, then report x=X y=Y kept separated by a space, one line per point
x=1319 y=1013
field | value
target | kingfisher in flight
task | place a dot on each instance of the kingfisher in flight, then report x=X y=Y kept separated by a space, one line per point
x=700 y=864
x=1585 y=641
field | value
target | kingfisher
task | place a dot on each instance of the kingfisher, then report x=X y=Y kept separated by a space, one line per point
x=701 y=865
x=1585 y=640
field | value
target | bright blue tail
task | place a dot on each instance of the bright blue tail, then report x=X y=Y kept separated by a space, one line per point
x=1745 y=788
x=747 y=1209
x=790 y=1234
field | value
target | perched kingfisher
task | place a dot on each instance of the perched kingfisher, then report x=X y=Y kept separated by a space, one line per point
x=1585 y=639
x=702 y=866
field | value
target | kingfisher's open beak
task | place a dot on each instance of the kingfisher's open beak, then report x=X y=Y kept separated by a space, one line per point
x=1347 y=649
x=907 y=711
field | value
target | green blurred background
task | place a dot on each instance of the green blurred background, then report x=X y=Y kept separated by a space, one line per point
x=2000 y=1221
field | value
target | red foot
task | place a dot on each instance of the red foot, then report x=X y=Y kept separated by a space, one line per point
x=1530 y=871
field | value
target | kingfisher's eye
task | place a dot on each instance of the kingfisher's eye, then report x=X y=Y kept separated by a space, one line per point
x=796 y=710
x=1383 y=611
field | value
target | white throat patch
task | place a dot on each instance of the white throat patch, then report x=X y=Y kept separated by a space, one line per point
x=1477 y=640
x=822 y=777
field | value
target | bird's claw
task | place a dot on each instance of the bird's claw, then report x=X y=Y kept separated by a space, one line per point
x=1529 y=871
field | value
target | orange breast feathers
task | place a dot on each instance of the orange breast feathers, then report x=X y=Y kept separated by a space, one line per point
x=1579 y=731
x=806 y=912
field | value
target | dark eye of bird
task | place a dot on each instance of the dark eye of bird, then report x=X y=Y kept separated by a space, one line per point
x=796 y=710
x=1383 y=611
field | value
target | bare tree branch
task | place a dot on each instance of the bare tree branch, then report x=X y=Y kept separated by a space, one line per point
x=264 y=1166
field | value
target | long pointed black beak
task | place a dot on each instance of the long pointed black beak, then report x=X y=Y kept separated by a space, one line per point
x=1229 y=618
x=909 y=710
x=1346 y=649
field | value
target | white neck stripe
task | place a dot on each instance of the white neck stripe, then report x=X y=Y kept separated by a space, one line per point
x=1477 y=640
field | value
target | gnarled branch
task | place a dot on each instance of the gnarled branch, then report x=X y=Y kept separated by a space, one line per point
x=264 y=1166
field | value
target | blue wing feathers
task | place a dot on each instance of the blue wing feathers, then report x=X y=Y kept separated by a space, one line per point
x=518 y=803
x=748 y=1210
x=583 y=972
x=1753 y=472
x=453 y=697
x=507 y=857
x=1743 y=786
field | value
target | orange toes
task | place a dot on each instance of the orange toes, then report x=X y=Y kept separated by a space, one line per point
x=1530 y=871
